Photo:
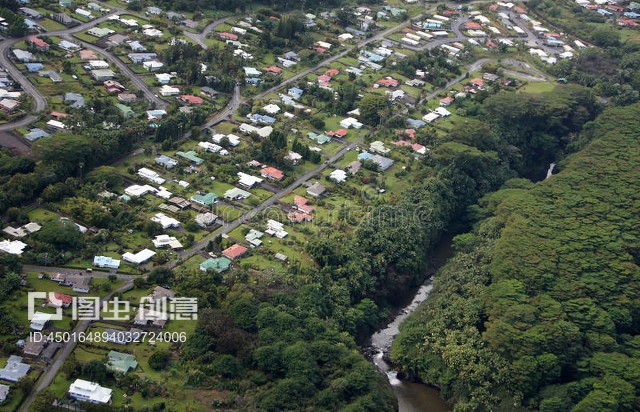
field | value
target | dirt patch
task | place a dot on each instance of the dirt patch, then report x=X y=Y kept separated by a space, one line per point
x=16 y=144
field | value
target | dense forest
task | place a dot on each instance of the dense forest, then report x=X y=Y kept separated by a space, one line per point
x=294 y=345
x=540 y=307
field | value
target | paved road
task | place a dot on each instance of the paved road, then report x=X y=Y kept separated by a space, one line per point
x=201 y=37
x=124 y=69
x=247 y=216
x=49 y=375
x=96 y=273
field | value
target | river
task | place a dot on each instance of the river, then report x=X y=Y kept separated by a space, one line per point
x=412 y=396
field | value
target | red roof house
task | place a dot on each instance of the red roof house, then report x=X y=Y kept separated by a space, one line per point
x=272 y=173
x=228 y=36
x=332 y=72
x=388 y=82
x=190 y=99
x=472 y=25
x=38 y=43
x=478 y=83
x=59 y=115
x=234 y=251
x=519 y=10
x=273 y=69
x=59 y=300
x=446 y=101
x=299 y=217
x=338 y=133
x=300 y=203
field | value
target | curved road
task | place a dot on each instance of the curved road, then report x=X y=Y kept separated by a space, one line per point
x=201 y=37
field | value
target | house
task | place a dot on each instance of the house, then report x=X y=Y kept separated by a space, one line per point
x=9 y=105
x=34 y=67
x=99 y=32
x=442 y=112
x=228 y=36
x=125 y=111
x=190 y=156
x=165 y=221
x=260 y=131
x=169 y=91
x=236 y=194
x=4 y=392
x=293 y=157
x=35 y=134
x=235 y=251
x=378 y=147
x=206 y=219
x=78 y=283
x=206 y=200
x=291 y=55
x=354 y=167
x=388 y=82
x=163 y=241
x=477 y=83
x=102 y=75
x=248 y=181
x=31 y=13
x=121 y=362
x=91 y=392
x=152 y=65
x=273 y=70
x=156 y=114
x=56 y=125
x=77 y=100
x=319 y=138
x=154 y=11
x=68 y=46
x=138 y=58
x=58 y=300
x=253 y=237
x=446 y=101
x=430 y=117
x=166 y=161
x=127 y=97
x=295 y=92
x=208 y=91
x=316 y=190
x=190 y=99
x=112 y=86
x=106 y=262
x=150 y=175
x=383 y=162
x=137 y=190
x=140 y=257
x=350 y=122
x=180 y=203
x=39 y=320
x=231 y=138
x=300 y=203
x=23 y=56
x=34 y=347
x=14 y=370
x=271 y=109
x=84 y=13
x=272 y=173
x=338 y=176
x=275 y=228
x=218 y=265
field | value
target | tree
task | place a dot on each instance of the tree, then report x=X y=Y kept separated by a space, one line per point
x=372 y=107
x=63 y=235
x=159 y=360
x=95 y=371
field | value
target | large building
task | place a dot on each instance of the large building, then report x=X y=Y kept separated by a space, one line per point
x=90 y=392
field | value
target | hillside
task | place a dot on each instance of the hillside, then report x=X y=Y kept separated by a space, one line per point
x=540 y=305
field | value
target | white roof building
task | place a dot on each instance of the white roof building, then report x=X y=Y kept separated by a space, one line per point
x=248 y=180
x=98 y=64
x=140 y=257
x=152 y=32
x=150 y=175
x=232 y=138
x=13 y=247
x=165 y=221
x=152 y=65
x=260 y=131
x=54 y=124
x=442 y=112
x=430 y=117
x=350 y=122
x=106 y=262
x=271 y=109
x=39 y=320
x=89 y=392
x=210 y=147
x=275 y=228
x=338 y=176
x=169 y=91
x=162 y=241
x=137 y=190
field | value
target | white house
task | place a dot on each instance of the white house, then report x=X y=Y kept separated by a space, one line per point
x=338 y=176
x=106 y=262
x=150 y=175
x=169 y=91
x=137 y=190
x=90 y=392
x=39 y=320
x=140 y=257
x=275 y=228
x=248 y=181
x=152 y=65
x=350 y=122
x=162 y=241
x=165 y=221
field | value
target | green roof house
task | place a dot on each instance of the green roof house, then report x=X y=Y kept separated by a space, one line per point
x=121 y=362
x=205 y=200
x=319 y=138
x=191 y=156
x=218 y=265
x=126 y=111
